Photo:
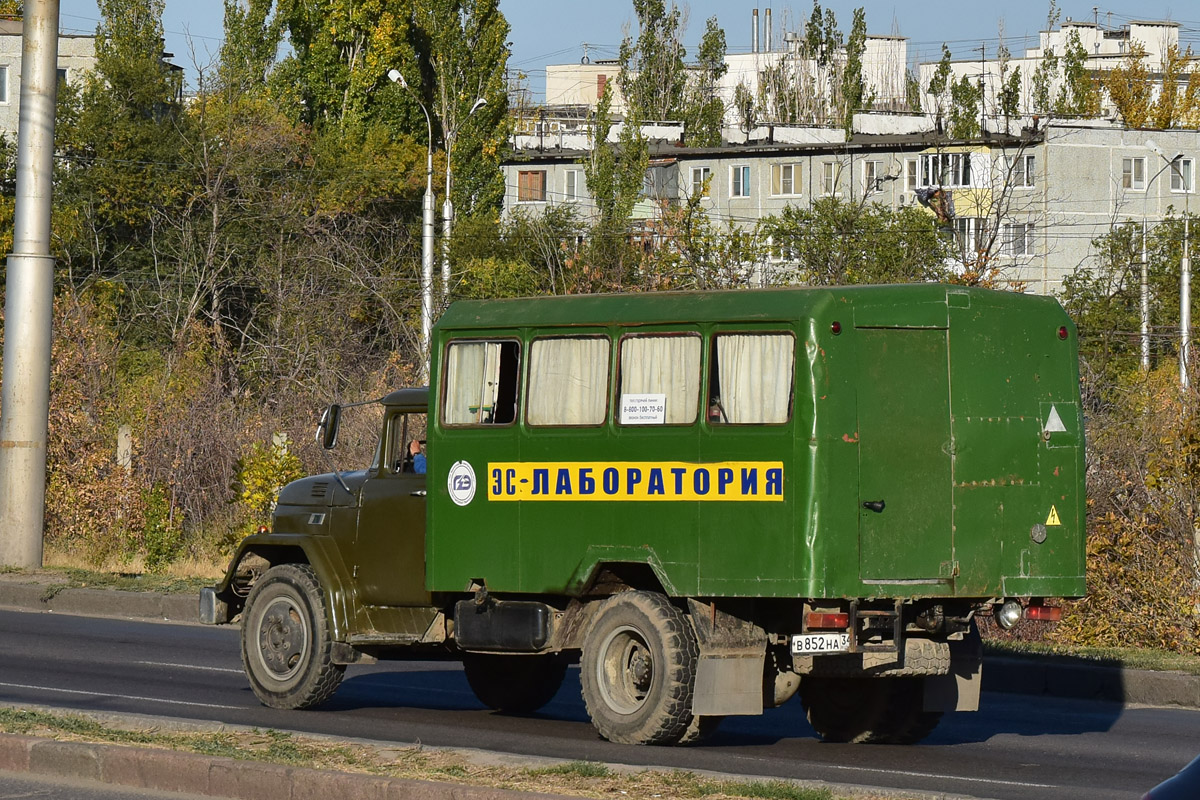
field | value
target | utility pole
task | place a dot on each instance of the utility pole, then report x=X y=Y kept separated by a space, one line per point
x=29 y=303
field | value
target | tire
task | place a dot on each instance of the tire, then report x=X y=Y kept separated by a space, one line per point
x=867 y=710
x=700 y=729
x=517 y=684
x=638 y=670
x=285 y=640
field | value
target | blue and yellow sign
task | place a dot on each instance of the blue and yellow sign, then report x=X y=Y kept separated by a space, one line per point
x=635 y=480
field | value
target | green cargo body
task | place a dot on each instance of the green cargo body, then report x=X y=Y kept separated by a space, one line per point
x=953 y=411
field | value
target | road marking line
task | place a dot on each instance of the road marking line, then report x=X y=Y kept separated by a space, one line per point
x=120 y=696
x=188 y=666
x=908 y=773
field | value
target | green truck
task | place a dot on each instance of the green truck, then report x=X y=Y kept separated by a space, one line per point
x=713 y=501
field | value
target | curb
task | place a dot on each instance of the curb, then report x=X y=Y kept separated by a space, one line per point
x=1049 y=677
x=172 y=771
x=100 y=602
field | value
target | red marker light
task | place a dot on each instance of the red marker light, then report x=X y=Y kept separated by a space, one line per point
x=836 y=327
x=1062 y=333
x=818 y=619
x=1044 y=613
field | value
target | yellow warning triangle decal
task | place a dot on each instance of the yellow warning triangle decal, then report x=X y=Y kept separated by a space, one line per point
x=1053 y=518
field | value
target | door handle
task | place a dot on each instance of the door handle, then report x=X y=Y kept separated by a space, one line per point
x=875 y=505
x=418 y=493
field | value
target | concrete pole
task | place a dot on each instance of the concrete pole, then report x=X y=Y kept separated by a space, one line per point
x=1145 y=301
x=447 y=223
x=25 y=397
x=1185 y=303
x=427 y=234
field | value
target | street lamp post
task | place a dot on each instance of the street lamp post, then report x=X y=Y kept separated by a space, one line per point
x=448 y=205
x=1175 y=162
x=427 y=232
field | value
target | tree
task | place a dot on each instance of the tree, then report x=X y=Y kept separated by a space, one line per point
x=940 y=82
x=965 y=99
x=652 y=74
x=1010 y=95
x=1129 y=87
x=837 y=242
x=1078 y=96
x=252 y=39
x=1045 y=74
x=1172 y=106
x=704 y=111
x=853 y=85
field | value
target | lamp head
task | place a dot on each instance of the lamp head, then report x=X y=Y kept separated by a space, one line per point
x=480 y=103
x=395 y=77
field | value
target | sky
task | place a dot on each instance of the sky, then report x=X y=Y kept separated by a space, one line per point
x=556 y=33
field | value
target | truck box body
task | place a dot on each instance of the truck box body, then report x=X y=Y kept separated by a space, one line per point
x=933 y=447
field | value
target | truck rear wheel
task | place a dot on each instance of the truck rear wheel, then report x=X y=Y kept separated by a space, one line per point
x=867 y=710
x=285 y=640
x=515 y=683
x=638 y=670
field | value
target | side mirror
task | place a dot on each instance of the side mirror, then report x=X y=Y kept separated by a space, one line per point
x=327 y=428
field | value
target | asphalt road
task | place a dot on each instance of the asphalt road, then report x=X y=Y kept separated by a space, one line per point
x=1016 y=747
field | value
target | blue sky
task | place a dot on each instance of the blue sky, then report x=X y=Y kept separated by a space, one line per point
x=545 y=33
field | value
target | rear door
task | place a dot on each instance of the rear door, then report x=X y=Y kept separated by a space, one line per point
x=905 y=456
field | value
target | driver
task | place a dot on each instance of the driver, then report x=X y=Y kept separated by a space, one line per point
x=418 y=458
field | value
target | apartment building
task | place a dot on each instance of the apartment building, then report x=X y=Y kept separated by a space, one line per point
x=76 y=55
x=1028 y=203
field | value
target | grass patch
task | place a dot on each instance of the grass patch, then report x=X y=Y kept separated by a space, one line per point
x=577 y=778
x=580 y=769
x=1134 y=658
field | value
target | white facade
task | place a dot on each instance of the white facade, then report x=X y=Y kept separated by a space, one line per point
x=1106 y=48
x=76 y=55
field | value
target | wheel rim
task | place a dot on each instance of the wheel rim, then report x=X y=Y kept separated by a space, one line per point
x=625 y=670
x=283 y=639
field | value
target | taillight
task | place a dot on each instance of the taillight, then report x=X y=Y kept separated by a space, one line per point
x=823 y=619
x=1044 y=613
x=1062 y=332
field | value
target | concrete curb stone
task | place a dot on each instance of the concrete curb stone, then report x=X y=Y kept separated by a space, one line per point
x=169 y=770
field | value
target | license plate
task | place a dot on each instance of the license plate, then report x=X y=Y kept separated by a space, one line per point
x=811 y=644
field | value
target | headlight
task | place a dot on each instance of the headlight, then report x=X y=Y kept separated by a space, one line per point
x=1009 y=615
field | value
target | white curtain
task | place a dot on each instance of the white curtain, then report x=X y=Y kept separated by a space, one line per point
x=472 y=378
x=667 y=365
x=568 y=381
x=756 y=377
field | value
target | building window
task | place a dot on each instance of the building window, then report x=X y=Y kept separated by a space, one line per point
x=785 y=180
x=1018 y=239
x=971 y=236
x=1181 y=175
x=739 y=181
x=872 y=176
x=1023 y=171
x=828 y=178
x=1133 y=174
x=3 y=84
x=531 y=186
x=946 y=169
x=912 y=179
x=574 y=180
x=700 y=181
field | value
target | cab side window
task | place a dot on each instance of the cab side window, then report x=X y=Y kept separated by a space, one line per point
x=405 y=429
x=568 y=380
x=481 y=383
x=750 y=378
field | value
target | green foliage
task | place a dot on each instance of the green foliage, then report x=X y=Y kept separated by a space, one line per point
x=1010 y=94
x=965 y=99
x=1079 y=95
x=853 y=84
x=912 y=91
x=252 y=39
x=703 y=110
x=652 y=73
x=939 y=82
x=162 y=539
x=615 y=173
x=262 y=472
x=1044 y=76
x=838 y=242
x=582 y=769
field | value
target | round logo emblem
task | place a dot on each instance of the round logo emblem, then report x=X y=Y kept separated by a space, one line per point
x=461 y=483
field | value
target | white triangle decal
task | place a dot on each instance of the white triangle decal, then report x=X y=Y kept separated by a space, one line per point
x=1054 y=423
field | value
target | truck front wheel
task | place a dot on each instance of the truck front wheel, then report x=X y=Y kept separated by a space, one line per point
x=638 y=670
x=519 y=684
x=285 y=640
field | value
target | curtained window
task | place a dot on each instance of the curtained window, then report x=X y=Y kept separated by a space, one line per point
x=751 y=382
x=667 y=365
x=481 y=383
x=568 y=381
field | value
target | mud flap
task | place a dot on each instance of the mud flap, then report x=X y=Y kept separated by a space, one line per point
x=729 y=672
x=958 y=691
